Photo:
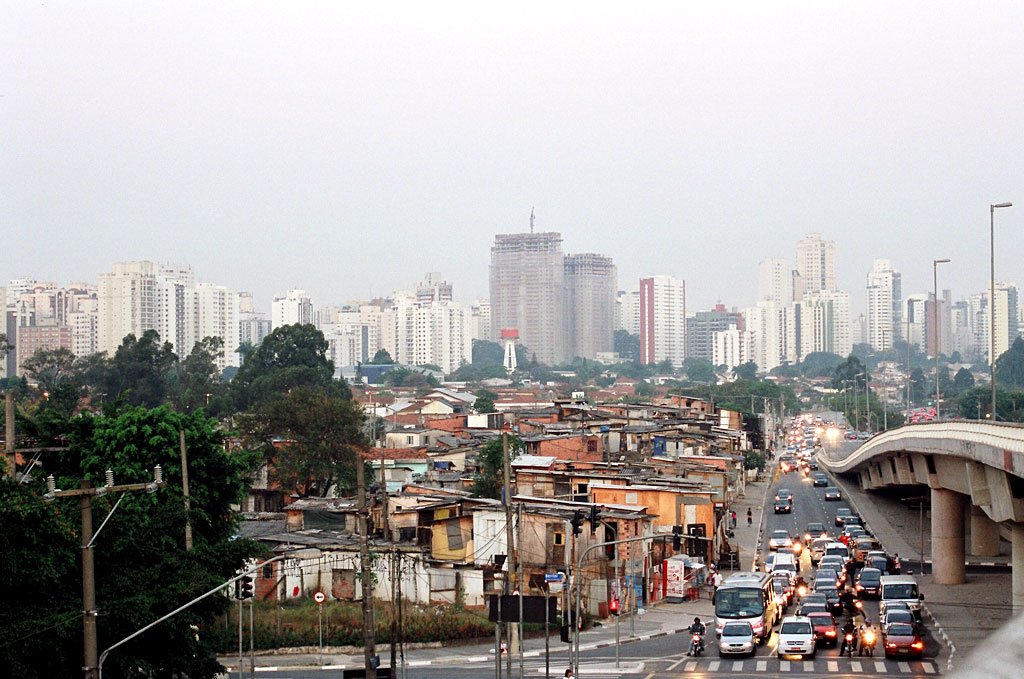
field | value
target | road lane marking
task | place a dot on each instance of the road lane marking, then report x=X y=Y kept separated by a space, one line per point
x=784 y=666
x=928 y=668
x=833 y=665
x=713 y=667
x=808 y=667
x=904 y=667
x=762 y=665
x=856 y=667
x=737 y=666
x=880 y=667
x=690 y=666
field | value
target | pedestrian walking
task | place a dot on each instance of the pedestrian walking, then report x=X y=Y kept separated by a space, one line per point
x=896 y=565
x=733 y=517
x=750 y=517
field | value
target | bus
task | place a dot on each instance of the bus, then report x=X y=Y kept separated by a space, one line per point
x=749 y=597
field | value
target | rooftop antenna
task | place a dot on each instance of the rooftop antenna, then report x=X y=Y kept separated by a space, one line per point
x=532 y=217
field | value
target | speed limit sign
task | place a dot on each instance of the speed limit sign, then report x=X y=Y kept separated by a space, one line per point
x=319 y=597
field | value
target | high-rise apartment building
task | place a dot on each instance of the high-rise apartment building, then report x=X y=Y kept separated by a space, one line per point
x=213 y=312
x=731 y=347
x=481 y=311
x=253 y=325
x=293 y=307
x=427 y=332
x=825 y=323
x=129 y=303
x=816 y=265
x=527 y=286
x=884 y=315
x=773 y=333
x=701 y=329
x=1006 y=315
x=629 y=311
x=662 y=320
x=775 y=281
x=591 y=282
x=175 y=284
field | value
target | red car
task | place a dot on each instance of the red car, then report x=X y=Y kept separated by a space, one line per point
x=825 y=631
x=902 y=640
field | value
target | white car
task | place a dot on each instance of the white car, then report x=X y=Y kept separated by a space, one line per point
x=779 y=538
x=737 y=639
x=796 y=637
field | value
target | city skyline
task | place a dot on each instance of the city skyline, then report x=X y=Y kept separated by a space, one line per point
x=291 y=151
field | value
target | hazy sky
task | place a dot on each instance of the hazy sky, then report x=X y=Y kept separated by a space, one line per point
x=348 y=148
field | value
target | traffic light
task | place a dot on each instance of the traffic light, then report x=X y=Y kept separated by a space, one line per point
x=577 y=522
x=613 y=605
x=595 y=516
x=677 y=539
x=245 y=587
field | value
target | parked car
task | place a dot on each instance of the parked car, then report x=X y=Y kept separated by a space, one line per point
x=825 y=631
x=902 y=640
x=832 y=494
x=737 y=639
x=796 y=637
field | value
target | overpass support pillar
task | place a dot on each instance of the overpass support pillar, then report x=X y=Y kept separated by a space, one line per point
x=948 y=509
x=1017 y=563
x=984 y=533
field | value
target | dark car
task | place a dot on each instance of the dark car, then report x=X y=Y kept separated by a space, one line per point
x=869 y=583
x=902 y=640
x=809 y=607
x=784 y=494
x=825 y=631
x=832 y=494
x=841 y=515
x=902 y=615
x=820 y=481
x=814 y=530
x=835 y=604
x=879 y=562
x=784 y=506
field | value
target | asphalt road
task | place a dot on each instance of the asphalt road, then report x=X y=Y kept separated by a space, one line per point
x=665 y=657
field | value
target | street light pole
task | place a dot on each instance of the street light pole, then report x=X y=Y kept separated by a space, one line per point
x=938 y=326
x=992 y=296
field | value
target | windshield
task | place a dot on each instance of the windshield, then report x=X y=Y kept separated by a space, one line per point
x=780 y=535
x=736 y=631
x=900 y=630
x=873 y=578
x=899 y=592
x=738 y=603
x=795 y=628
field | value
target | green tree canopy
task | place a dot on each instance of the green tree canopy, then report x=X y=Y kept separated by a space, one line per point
x=484 y=402
x=489 y=478
x=382 y=357
x=291 y=356
x=198 y=382
x=850 y=371
x=627 y=345
x=487 y=353
x=746 y=371
x=824 y=364
x=139 y=372
x=699 y=370
x=1010 y=366
x=963 y=380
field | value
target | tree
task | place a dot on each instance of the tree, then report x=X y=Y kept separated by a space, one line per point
x=487 y=353
x=382 y=357
x=198 y=377
x=489 y=478
x=291 y=356
x=699 y=370
x=919 y=386
x=851 y=371
x=142 y=569
x=627 y=345
x=484 y=402
x=140 y=370
x=747 y=371
x=963 y=380
x=58 y=379
x=1010 y=365
x=824 y=364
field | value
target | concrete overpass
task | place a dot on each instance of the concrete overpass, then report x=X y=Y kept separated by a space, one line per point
x=973 y=469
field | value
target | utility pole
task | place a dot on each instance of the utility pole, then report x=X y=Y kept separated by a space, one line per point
x=509 y=534
x=85 y=493
x=394 y=610
x=184 y=491
x=369 y=649
x=9 y=456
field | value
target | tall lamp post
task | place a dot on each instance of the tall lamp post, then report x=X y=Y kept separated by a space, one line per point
x=992 y=296
x=938 y=326
x=857 y=399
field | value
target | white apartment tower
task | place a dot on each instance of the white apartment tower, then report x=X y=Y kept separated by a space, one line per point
x=662 y=320
x=775 y=281
x=825 y=323
x=884 y=314
x=731 y=347
x=294 y=307
x=213 y=312
x=816 y=265
x=629 y=311
x=128 y=300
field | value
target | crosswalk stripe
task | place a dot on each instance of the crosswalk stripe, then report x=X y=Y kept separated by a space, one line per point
x=808 y=667
x=904 y=667
x=737 y=666
x=856 y=667
x=713 y=667
x=784 y=666
x=690 y=666
x=762 y=665
x=833 y=666
x=928 y=668
x=880 y=667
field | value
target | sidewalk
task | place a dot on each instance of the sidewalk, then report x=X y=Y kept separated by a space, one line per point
x=660 y=619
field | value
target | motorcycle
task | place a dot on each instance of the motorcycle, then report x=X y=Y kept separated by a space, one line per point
x=848 y=644
x=867 y=643
x=696 y=645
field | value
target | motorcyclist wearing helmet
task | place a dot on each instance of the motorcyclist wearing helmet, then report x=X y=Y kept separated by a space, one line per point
x=849 y=628
x=697 y=628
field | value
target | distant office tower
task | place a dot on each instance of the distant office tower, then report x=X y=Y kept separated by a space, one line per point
x=825 y=323
x=701 y=329
x=662 y=320
x=775 y=281
x=816 y=264
x=884 y=315
x=917 y=312
x=128 y=300
x=527 y=284
x=773 y=334
x=295 y=306
x=1007 y=326
x=590 y=284
x=629 y=311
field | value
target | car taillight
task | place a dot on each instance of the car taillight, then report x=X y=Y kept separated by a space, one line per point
x=860 y=586
x=918 y=645
x=830 y=633
x=890 y=645
x=807 y=537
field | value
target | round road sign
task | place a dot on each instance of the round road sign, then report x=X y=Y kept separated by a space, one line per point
x=319 y=597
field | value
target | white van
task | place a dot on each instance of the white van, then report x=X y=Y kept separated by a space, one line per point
x=901 y=588
x=837 y=548
x=785 y=562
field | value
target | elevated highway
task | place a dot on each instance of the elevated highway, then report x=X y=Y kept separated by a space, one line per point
x=975 y=473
